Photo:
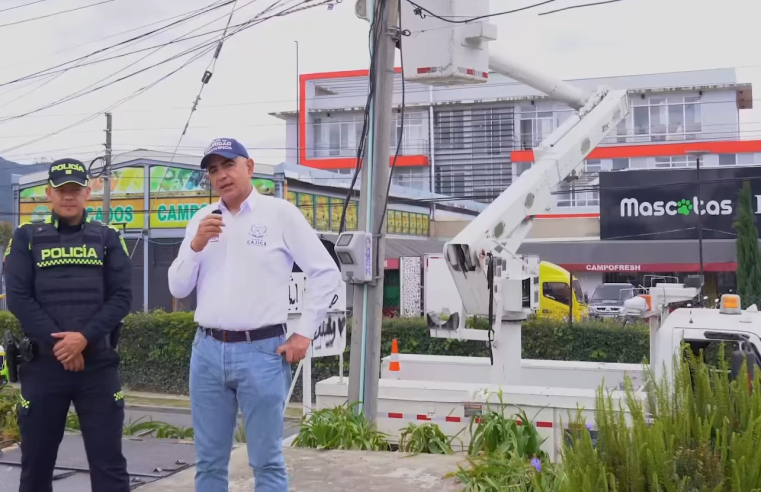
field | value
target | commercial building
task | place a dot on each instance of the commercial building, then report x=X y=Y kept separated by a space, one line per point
x=472 y=142
x=155 y=194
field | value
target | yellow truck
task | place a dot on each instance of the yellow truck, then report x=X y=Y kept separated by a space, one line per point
x=556 y=300
x=559 y=296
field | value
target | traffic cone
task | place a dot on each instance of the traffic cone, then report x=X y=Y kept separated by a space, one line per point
x=393 y=366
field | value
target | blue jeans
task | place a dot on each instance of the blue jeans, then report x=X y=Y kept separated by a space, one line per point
x=224 y=376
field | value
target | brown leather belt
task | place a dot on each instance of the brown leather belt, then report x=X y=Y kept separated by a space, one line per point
x=229 y=336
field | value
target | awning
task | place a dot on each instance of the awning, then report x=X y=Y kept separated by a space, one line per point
x=634 y=256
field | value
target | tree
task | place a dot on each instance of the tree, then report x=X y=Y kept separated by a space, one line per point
x=748 y=253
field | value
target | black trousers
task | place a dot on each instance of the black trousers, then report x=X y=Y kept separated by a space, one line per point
x=48 y=391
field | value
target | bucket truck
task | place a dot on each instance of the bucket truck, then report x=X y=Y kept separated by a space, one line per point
x=491 y=278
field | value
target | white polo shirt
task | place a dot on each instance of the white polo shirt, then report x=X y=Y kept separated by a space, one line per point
x=242 y=278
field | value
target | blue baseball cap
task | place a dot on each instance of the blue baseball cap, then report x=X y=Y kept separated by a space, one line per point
x=229 y=148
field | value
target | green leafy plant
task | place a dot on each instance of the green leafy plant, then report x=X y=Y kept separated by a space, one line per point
x=425 y=438
x=495 y=433
x=699 y=432
x=160 y=430
x=510 y=472
x=340 y=427
x=240 y=433
x=9 y=430
x=72 y=422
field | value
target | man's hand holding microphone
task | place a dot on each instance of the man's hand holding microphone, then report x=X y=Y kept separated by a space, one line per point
x=210 y=227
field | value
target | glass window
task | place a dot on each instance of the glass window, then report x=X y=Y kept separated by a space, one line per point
x=747 y=159
x=594 y=166
x=620 y=164
x=727 y=160
x=557 y=291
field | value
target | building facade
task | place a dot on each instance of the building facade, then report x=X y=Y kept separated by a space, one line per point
x=472 y=142
x=154 y=195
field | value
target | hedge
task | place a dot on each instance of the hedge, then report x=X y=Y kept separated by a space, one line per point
x=155 y=347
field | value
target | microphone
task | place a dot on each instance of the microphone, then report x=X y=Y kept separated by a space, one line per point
x=217 y=211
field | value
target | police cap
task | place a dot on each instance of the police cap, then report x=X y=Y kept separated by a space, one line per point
x=65 y=171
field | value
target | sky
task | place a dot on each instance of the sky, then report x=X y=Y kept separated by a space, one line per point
x=256 y=72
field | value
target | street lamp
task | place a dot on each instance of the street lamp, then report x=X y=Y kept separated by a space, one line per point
x=698 y=154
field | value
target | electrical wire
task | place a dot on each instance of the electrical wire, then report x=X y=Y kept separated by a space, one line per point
x=205 y=80
x=422 y=11
x=55 y=14
x=148 y=34
x=204 y=49
x=81 y=62
x=400 y=35
x=374 y=37
x=584 y=5
x=22 y=5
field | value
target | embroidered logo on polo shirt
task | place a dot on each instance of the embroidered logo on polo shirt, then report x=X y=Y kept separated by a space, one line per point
x=258 y=233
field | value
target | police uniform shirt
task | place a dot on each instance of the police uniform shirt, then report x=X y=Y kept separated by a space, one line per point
x=19 y=268
x=242 y=277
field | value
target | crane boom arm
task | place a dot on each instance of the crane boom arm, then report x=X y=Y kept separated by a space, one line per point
x=500 y=229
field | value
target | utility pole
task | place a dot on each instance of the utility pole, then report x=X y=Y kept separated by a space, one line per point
x=107 y=174
x=364 y=365
x=298 y=107
x=698 y=154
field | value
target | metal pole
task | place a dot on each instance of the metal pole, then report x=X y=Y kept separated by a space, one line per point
x=298 y=107
x=700 y=234
x=699 y=211
x=107 y=174
x=368 y=301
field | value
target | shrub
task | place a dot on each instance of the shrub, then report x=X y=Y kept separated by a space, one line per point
x=703 y=436
x=155 y=347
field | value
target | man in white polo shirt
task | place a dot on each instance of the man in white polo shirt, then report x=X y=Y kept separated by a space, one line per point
x=239 y=253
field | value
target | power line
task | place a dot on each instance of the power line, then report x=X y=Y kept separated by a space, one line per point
x=422 y=11
x=240 y=28
x=584 y=5
x=47 y=71
x=55 y=13
x=206 y=77
x=22 y=5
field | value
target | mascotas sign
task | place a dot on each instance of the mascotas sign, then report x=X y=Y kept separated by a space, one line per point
x=664 y=204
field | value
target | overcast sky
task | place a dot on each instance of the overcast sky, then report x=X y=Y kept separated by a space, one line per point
x=256 y=72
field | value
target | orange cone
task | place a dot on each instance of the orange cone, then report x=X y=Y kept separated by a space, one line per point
x=393 y=366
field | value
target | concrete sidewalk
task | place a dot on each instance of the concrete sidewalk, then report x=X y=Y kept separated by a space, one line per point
x=311 y=470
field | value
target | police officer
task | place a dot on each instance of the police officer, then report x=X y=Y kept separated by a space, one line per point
x=68 y=281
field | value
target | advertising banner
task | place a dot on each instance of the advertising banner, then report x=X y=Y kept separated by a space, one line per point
x=167 y=213
x=128 y=214
x=173 y=181
x=663 y=204
x=125 y=182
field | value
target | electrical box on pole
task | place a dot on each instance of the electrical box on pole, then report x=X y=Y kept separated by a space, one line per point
x=355 y=253
x=440 y=48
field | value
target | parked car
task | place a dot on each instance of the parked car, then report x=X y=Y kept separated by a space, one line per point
x=607 y=301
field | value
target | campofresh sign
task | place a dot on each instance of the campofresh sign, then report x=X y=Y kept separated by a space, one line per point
x=174 y=212
x=663 y=204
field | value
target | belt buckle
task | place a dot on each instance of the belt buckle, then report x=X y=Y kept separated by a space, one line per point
x=224 y=336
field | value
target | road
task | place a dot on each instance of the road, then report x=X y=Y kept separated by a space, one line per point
x=182 y=418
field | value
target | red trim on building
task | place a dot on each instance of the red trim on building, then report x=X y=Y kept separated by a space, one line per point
x=649 y=267
x=343 y=162
x=657 y=150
